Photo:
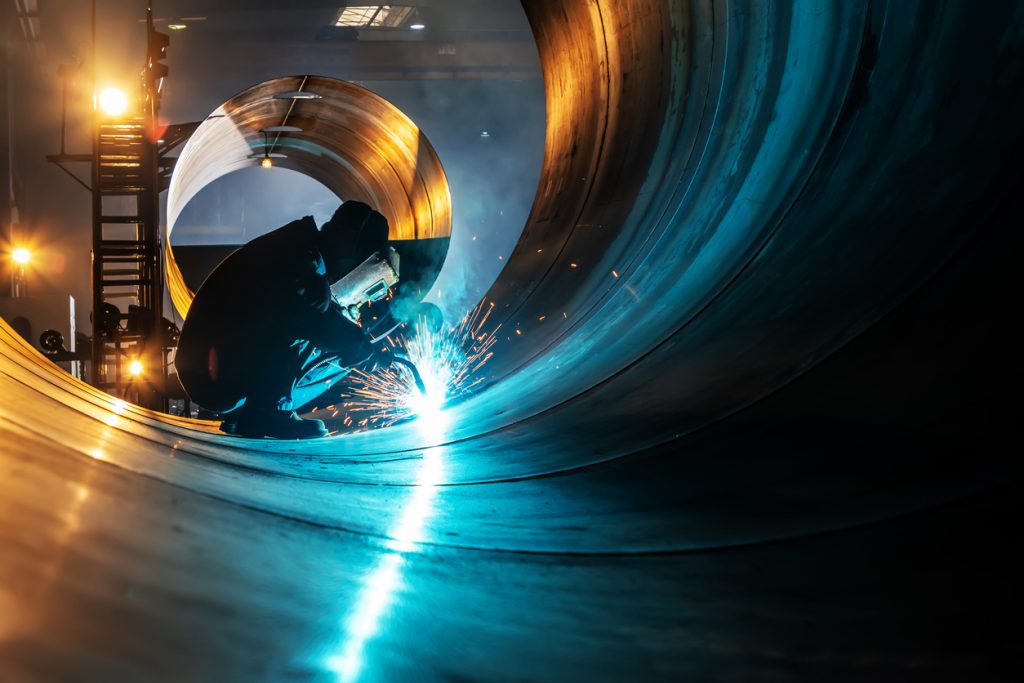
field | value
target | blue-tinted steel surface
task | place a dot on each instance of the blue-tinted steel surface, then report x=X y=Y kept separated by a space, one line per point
x=726 y=360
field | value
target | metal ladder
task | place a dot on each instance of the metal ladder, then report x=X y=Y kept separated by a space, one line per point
x=126 y=259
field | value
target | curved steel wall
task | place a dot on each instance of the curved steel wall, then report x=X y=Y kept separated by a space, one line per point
x=354 y=142
x=730 y=192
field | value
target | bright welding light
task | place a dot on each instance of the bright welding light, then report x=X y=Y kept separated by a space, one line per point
x=135 y=368
x=410 y=529
x=448 y=360
x=445 y=359
x=113 y=102
x=425 y=407
x=21 y=256
x=427 y=350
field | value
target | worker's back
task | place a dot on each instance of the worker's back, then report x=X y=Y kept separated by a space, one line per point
x=252 y=301
x=254 y=293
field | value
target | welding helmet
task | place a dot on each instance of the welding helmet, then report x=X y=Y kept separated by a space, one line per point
x=368 y=283
x=352 y=235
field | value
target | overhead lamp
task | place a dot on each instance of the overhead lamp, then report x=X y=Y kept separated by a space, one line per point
x=135 y=368
x=177 y=27
x=21 y=256
x=266 y=159
x=298 y=95
x=374 y=16
x=113 y=102
x=418 y=27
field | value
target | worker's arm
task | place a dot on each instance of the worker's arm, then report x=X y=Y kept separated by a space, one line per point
x=325 y=323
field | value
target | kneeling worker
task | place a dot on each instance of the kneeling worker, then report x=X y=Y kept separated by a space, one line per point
x=264 y=334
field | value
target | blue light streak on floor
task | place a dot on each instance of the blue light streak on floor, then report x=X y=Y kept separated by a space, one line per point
x=378 y=592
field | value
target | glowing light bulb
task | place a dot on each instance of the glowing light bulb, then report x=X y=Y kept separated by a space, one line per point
x=21 y=256
x=267 y=162
x=418 y=27
x=135 y=368
x=113 y=101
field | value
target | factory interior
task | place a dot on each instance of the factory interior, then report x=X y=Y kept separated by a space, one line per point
x=698 y=363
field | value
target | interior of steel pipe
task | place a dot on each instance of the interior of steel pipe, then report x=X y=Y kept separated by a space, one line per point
x=748 y=350
x=351 y=140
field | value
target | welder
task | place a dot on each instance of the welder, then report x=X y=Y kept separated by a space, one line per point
x=265 y=335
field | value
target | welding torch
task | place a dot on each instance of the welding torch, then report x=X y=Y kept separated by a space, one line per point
x=411 y=367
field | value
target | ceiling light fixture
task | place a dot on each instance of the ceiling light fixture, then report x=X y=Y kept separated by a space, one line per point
x=374 y=16
x=177 y=27
x=266 y=159
x=418 y=27
x=266 y=163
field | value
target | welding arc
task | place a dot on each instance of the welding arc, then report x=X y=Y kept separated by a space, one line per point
x=415 y=373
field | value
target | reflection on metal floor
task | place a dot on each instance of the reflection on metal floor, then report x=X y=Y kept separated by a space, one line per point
x=717 y=450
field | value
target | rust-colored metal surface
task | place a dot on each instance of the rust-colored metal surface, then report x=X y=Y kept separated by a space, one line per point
x=353 y=141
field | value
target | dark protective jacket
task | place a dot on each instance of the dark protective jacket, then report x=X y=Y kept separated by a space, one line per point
x=254 y=307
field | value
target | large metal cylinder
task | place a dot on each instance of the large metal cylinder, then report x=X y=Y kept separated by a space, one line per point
x=727 y=322
x=351 y=140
